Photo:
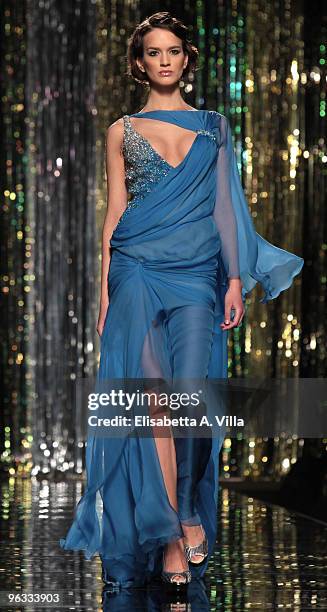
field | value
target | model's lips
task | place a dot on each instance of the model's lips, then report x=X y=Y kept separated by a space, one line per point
x=166 y=72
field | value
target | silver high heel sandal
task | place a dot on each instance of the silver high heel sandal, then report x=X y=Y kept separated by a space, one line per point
x=200 y=550
x=170 y=577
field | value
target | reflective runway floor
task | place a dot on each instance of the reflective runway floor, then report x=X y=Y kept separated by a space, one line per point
x=265 y=558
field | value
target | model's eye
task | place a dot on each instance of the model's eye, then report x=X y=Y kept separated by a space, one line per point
x=173 y=51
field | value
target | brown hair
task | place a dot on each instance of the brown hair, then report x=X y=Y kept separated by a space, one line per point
x=165 y=21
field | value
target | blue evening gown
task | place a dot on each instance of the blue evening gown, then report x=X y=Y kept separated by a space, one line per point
x=185 y=231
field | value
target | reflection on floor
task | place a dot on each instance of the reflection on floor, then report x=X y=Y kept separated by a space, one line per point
x=265 y=557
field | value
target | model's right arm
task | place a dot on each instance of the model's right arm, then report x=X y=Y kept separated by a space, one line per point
x=116 y=204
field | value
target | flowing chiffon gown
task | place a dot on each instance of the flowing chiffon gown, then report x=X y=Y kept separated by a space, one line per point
x=185 y=231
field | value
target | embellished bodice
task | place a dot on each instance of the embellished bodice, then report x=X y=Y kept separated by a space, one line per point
x=144 y=166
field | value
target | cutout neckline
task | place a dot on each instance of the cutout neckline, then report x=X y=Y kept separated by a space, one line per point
x=153 y=149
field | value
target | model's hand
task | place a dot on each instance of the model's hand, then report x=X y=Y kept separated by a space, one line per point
x=102 y=318
x=233 y=299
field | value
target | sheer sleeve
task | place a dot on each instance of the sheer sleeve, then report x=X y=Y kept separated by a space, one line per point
x=244 y=253
x=224 y=214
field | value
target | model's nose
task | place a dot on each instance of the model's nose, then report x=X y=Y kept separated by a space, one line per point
x=165 y=62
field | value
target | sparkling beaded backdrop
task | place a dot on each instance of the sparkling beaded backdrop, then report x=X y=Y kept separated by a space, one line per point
x=63 y=82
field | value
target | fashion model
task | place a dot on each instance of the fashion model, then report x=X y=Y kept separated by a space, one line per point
x=179 y=254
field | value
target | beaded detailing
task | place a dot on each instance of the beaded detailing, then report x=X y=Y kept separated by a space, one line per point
x=207 y=133
x=144 y=167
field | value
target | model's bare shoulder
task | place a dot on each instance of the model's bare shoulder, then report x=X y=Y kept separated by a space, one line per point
x=115 y=133
x=116 y=125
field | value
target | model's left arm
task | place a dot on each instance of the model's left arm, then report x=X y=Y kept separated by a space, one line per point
x=244 y=253
x=226 y=222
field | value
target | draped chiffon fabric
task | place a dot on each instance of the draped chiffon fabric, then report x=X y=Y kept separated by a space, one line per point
x=172 y=253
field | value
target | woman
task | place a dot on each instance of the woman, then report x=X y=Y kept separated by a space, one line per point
x=183 y=255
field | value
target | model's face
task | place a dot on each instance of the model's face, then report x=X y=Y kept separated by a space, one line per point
x=163 y=57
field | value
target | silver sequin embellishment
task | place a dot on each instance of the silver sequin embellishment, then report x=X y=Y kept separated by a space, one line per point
x=144 y=167
x=207 y=133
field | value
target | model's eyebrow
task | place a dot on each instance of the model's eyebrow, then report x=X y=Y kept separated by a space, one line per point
x=158 y=48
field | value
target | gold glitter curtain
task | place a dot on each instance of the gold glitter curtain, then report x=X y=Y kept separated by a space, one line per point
x=64 y=67
x=314 y=164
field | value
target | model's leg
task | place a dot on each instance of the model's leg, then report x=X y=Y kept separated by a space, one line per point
x=190 y=334
x=175 y=560
x=190 y=330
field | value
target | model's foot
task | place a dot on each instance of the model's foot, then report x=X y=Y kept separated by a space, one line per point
x=175 y=561
x=195 y=536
